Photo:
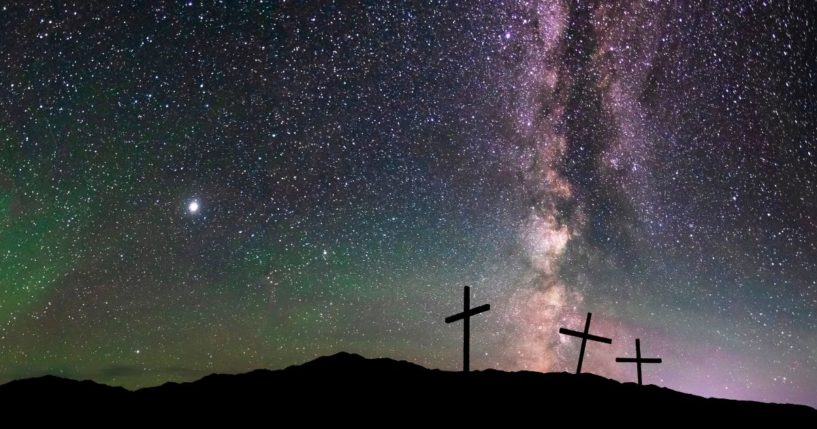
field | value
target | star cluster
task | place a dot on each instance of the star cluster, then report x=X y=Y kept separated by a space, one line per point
x=192 y=187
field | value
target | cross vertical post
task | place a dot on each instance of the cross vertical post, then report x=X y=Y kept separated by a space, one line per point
x=584 y=343
x=466 y=331
x=638 y=357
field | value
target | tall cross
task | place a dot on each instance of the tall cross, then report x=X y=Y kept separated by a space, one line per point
x=466 y=314
x=584 y=336
x=638 y=359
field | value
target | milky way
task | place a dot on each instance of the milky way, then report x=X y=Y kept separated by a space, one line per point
x=188 y=188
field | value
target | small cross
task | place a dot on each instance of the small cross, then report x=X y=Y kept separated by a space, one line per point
x=638 y=359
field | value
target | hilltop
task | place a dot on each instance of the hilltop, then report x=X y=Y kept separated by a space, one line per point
x=349 y=387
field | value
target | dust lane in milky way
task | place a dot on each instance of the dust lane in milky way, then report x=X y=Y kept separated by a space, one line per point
x=188 y=188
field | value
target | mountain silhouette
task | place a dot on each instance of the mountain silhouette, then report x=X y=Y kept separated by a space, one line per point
x=351 y=388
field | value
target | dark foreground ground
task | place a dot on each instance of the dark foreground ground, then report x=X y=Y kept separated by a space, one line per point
x=346 y=388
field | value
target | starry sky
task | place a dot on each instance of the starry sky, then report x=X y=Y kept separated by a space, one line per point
x=196 y=187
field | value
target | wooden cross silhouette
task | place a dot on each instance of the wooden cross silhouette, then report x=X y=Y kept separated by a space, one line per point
x=638 y=359
x=466 y=314
x=584 y=336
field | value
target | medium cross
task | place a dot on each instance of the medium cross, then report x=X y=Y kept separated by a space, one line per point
x=638 y=359
x=584 y=336
x=466 y=314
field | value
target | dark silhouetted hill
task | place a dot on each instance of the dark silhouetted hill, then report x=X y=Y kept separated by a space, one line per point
x=350 y=388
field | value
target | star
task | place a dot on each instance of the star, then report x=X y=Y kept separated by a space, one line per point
x=193 y=207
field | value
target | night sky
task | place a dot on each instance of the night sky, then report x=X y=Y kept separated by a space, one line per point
x=188 y=188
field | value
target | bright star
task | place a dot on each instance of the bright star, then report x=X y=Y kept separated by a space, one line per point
x=193 y=207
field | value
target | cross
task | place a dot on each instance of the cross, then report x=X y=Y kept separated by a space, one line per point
x=466 y=314
x=584 y=336
x=638 y=359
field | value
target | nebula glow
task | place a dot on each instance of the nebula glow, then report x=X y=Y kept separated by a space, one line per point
x=189 y=188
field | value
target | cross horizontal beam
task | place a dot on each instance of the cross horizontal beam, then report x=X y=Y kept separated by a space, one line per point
x=636 y=360
x=590 y=337
x=459 y=316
